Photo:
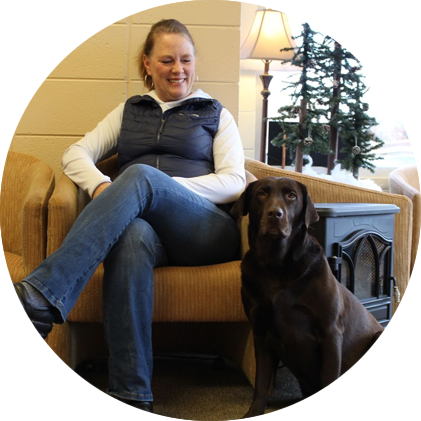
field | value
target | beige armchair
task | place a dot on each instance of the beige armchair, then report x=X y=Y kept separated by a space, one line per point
x=196 y=309
x=405 y=181
x=26 y=188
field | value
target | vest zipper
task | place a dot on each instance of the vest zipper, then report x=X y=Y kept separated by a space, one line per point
x=158 y=139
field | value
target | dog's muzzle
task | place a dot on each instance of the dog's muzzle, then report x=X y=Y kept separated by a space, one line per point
x=274 y=223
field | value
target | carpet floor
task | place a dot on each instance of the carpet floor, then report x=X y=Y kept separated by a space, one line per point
x=201 y=387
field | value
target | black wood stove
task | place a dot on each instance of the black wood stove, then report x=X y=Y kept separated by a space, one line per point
x=358 y=242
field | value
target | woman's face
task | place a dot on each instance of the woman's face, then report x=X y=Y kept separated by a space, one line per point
x=171 y=65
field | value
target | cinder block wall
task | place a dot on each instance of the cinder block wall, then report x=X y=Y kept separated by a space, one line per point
x=101 y=73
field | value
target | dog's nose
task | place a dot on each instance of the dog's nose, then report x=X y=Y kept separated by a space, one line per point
x=275 y=213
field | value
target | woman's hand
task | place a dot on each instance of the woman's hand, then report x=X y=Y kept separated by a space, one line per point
x=100 y=189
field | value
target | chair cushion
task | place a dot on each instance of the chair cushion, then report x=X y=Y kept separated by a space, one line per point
x=182 y=294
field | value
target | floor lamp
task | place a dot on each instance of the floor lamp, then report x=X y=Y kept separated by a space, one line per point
x=269 y=34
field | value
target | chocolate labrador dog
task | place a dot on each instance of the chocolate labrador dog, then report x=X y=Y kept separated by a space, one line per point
x=300 y=314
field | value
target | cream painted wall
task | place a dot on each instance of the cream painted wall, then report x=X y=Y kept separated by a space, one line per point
x=100 y=73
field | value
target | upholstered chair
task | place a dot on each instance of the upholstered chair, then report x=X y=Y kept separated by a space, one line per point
x=405 y=181
x=26 y=188
x=196 y=309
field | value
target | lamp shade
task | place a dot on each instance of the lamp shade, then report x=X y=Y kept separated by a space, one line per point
x=269 y=33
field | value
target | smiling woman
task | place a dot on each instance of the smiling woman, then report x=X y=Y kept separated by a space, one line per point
x=179 y=154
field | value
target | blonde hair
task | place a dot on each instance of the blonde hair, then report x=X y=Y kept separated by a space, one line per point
x=164 y=26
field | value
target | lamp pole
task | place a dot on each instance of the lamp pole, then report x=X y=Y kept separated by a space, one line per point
x=265 y=78
x=269 y=36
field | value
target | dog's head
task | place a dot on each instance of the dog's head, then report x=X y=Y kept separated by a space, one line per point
x=276 y=206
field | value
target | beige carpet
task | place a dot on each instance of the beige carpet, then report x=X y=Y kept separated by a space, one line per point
x=201 y=387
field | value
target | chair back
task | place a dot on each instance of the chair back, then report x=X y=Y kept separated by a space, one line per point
x=407 y=174
x=15 y=185
x=109 y=166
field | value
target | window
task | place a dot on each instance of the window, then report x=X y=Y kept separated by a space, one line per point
x=391 y=33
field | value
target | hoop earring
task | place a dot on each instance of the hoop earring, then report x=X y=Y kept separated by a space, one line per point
x=146 y=77
x=197 y=78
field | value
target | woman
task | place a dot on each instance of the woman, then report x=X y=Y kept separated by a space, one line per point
x=181 y=165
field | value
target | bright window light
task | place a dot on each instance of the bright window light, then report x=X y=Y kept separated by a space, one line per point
x=391 y=34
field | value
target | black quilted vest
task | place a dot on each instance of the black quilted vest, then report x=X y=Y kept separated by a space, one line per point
x=178 y=142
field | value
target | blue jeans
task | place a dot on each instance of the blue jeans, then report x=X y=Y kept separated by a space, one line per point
x=143 y=220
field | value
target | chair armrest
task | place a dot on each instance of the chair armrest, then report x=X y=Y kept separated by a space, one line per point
x=325 y=191
x=399 y=185
x=35 y=215
x=62 y=212
x=67 y=202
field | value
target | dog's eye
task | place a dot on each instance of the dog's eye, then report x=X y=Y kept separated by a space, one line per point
x=261 y=194
x=292 y=195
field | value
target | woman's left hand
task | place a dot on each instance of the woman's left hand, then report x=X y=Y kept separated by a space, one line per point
x=100 y=189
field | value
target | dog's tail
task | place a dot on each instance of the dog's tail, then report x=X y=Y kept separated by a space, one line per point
x=415 y=410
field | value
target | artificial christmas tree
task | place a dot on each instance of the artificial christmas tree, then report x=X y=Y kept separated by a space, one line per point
x=301 y=122
x=348 y=119
x=330 y=93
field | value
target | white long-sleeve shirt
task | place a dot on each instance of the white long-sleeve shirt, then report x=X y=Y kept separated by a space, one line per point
x=223 y=186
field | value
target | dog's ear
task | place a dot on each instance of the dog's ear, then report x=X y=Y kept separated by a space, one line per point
x=240 y=207
x=310 y=216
